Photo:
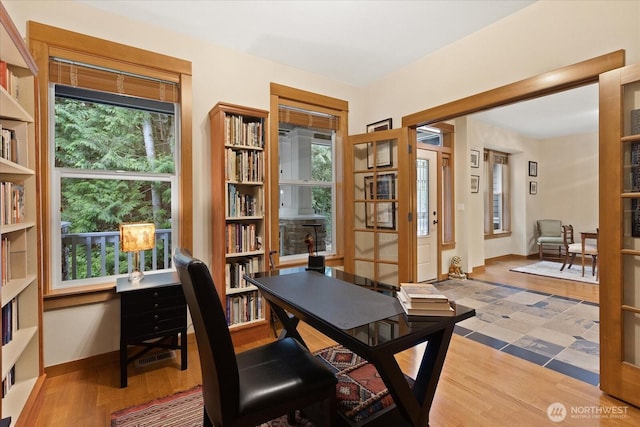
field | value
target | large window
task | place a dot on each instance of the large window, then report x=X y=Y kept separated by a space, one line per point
x=114 y=162
x=114 y=147
x=307 y=196
x=497 y=206
x=306 y=150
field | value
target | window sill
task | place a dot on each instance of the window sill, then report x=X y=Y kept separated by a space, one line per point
x=497 y=235
x=64 y=298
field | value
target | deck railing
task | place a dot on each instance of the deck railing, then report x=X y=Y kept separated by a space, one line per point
x=107 y=243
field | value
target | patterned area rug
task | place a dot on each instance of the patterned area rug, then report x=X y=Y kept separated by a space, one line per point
x=183 y=409
x=552 y=269
x=556 y=332
x=360 y=393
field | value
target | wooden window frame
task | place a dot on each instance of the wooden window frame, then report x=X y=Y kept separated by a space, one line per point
x=46 y=41
x=506 y=196
x=281 y=94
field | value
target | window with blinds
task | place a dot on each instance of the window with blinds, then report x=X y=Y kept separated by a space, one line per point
x=115 y=151
x=497 y=197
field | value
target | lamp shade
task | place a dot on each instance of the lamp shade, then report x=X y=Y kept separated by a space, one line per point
x=137 y=237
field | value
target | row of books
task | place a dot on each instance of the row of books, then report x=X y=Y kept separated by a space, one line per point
x=241 y=204
x=423 y=299
x=5 y=260
x=8 y=381
x=242 y=238
x=235 y=271
x=8 y=144
x=244 y=166
x=9 y=321
x=239 y=131
x=244 y=307
x=12 y=203
x=8 y=80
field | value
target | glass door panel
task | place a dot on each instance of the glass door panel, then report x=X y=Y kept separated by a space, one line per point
x=377 y=210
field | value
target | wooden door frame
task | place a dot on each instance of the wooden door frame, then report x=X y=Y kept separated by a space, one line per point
x=561 y=79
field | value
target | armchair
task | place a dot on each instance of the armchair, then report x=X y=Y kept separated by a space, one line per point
x=550 y=234
x=254 y=386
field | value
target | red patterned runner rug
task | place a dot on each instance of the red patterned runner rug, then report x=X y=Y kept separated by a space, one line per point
x=183 y=409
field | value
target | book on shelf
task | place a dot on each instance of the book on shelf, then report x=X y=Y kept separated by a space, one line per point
x=423 y=299
x=635 y=122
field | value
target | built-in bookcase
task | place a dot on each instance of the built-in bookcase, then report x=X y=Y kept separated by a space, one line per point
x=21 y=297
x=239 y=215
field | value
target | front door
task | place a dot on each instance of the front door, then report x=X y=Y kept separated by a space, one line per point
x=426 y=215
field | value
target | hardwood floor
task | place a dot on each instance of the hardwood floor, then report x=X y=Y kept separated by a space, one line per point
x=479 y=386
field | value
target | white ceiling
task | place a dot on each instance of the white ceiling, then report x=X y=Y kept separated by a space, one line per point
x=355 y=42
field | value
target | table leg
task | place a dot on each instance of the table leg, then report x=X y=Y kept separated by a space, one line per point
x=183 y=349
x=123 y=364
x=415 y=404
x=289 y=323
x=583 y=239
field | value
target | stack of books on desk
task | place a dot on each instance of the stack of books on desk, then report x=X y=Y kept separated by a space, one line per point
x=423 y=299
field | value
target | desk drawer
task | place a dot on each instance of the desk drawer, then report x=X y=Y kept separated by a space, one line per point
x=152 y=300
x=154 y=324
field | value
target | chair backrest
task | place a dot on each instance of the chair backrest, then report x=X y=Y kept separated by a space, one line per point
x=567 y=234
x=549 y=228
x=220 y=379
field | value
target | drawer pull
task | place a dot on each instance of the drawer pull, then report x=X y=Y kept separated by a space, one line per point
x=155 y=317
x=155 y=305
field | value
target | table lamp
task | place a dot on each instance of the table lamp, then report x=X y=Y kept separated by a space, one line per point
x=135 y=238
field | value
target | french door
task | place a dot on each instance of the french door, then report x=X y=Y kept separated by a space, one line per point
x=377 y=245
x=619 y=241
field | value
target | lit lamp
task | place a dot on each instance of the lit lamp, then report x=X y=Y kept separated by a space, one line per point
x=135 y=238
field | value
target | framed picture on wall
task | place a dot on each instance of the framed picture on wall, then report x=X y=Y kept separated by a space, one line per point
x=475 y=159
x=475 y=183
x=533 y=187
x=533 y=168
x=381 y=125
x=380 y=214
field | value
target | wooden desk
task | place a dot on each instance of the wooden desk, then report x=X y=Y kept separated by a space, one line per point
x=584 y=235
x=151 y=311
x=372 y=324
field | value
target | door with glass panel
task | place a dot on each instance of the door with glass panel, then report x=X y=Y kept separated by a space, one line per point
x=378 y=245
x=426 y=215
x=619 y=237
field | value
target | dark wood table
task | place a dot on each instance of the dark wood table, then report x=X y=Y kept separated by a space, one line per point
x=364 y=316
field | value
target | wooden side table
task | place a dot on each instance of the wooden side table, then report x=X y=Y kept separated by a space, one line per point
x=152 y=312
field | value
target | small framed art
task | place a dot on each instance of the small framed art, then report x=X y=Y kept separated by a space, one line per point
x=533 y=168
x=475 y=183
x=533 y=187
x=383 y=154
x=475 y=159
x=381 y=125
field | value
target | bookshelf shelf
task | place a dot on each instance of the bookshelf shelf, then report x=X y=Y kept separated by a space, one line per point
x=239 y=220
x=21 y=295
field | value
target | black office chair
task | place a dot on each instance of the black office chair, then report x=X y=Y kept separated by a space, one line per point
x=259 y=384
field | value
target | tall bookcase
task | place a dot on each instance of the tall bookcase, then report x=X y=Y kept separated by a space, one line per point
x=240 y=215
x=21 y=296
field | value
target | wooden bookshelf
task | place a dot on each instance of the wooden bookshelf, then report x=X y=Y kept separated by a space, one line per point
x=21 y=296
x=239 y=215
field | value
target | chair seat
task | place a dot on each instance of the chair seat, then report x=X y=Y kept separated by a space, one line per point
x=278 y=372
x=547 y=240
x=588 y=249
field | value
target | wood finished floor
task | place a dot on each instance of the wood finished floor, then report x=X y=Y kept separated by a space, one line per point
x=479 y=386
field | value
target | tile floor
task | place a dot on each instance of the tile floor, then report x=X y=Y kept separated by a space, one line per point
x=556 y=332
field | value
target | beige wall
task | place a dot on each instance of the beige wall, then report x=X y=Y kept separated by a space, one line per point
x=539 y=38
